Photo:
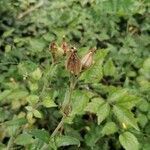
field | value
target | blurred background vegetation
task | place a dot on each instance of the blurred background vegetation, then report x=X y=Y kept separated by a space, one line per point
x=32 y=90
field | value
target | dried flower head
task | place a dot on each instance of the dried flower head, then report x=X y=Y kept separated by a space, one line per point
x=87 y=60
x=73 y=63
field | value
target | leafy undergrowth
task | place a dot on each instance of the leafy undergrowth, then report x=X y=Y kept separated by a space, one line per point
x=110 y=102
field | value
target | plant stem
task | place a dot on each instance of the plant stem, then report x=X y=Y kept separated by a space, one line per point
x=71 y=88
x=30 y=9
x=58 y=127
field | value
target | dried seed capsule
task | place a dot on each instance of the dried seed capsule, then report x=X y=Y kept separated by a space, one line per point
x=73 y=63
x=87 y=60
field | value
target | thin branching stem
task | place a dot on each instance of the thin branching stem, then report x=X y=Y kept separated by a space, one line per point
x=71 y=88
x=28 y=11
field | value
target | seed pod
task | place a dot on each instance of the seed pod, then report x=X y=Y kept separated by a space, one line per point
x=87 y=60
x=73 y=63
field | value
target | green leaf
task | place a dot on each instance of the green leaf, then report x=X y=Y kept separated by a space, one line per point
x=33 y=99
x=93 y=135
x=129 y=141
x=109 y=128
x=145 y=70
x=37 y=113
x=95 y=73
x=4 y=94
x=125 y=116
x=142 y=119
x=94 y=105
x=16 y=122
x=40 y=134
x=37 y=45
x=109 y=68
x=26 y=67
x=99 y=107
x=48 y=102
x=8 y=32
x=117 y=95
x=79 y=102
x=36 y=74
x=18 y=94
x=123 y=98
x=33 y=86
x=66 y=140
x=143 y=105
x=24 y=139
x=103 y=112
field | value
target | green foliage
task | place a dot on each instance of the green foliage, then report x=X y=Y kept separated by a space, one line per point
x=66 y=140
x=129 y=141
x=110 y=105
x=109 y=128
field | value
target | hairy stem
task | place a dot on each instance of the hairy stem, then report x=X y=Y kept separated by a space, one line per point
x=58 y=127
x=30 y=9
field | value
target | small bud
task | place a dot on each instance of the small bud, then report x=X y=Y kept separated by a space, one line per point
x=73 y=63
x=53 y=47
x=55 y=51
x=65 y=46
x=87 y=60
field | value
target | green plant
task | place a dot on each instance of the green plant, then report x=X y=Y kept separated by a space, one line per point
x=110 y=103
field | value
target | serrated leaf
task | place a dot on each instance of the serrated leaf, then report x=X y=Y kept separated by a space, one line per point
x=109 y=68
x=94 y=105
x=143 y=105
x=93 y=135
x=8 y=32
x=36 y=74
x=125 y=116
x=103 y=112
x=33 y=99
x=24 y=139
x=123 y=98
x=66 y=140
x=16 y=122
x=80 y=100
x=40 y=134
x=37 y=45
x=4 y=94
x=48 y=102
x=37 y=113
x=109 y=128
x=117 y=95
x=26 y=67
x=129 y=141
x=142 y=119
x=18 y=94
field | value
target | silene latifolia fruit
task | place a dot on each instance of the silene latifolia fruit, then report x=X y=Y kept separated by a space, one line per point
x=87 y=60
x=73 y=63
